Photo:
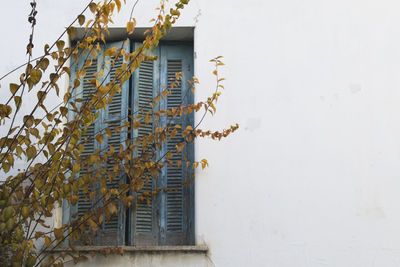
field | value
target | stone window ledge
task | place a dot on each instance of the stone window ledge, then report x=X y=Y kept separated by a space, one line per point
x=188 y=249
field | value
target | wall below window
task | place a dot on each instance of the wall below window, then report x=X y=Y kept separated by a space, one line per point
x=148 y=259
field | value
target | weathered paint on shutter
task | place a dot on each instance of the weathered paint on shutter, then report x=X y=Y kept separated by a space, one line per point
x=113 y=231
x=84 y=92
x=145 y=215
x=177 y=203
x=88 y=90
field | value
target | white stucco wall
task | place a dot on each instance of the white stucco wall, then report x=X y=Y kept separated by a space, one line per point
x=312 y=178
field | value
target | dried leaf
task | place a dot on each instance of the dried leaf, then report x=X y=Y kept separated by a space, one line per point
x=81 y=19
x=36 y=75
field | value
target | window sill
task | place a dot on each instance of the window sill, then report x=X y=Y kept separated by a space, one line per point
x=159 y=249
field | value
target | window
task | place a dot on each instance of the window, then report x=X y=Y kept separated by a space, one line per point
x=168 y=219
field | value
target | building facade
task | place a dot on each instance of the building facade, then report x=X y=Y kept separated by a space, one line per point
x=312 y=177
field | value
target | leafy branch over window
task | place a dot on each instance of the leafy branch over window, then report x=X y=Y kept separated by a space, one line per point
x=69 y=159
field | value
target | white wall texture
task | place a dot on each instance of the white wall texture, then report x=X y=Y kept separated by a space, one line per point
x=312 y=177
x=138 y=259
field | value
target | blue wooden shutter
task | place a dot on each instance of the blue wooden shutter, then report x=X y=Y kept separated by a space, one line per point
x=116 y=115
x=144 y=216
x=176 y=205
x=88 y=90
x=84 y=92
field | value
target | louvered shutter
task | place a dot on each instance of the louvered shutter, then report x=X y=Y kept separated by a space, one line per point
x=177 y=203
x=145 y=214
x=88 y=90
x=116 y=114
x=84 y=92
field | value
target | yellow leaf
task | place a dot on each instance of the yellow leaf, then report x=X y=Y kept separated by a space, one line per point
x=112 y=209
x=154 y=172
x=74 y=199
x=31 y=152
x=20 y=150
x=14 y=88
x=47 y=241
x=76 y=83
x=30 y=261
x=99 y=138
x=18 y=101
x=28 y=120
x=41 y=95
x=44 y=63
x=103 y=89
x=136 y=125
x=179 y=147
x=147 y=118
x=108 y=132
x=25 y=211
x=60 y=45
x=71 y=32
x=6 y=167
x=64 y=111
x=76 y=168
x=130 y=26
x=204 y=163
x=30 y=83
x=111 y=51
x=36 y=75
x=93 y=7
x=92 y=224
x=118 y=3
x=81 y=19
x=58 y=233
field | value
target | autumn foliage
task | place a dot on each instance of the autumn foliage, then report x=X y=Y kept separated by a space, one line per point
x=52 y=145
